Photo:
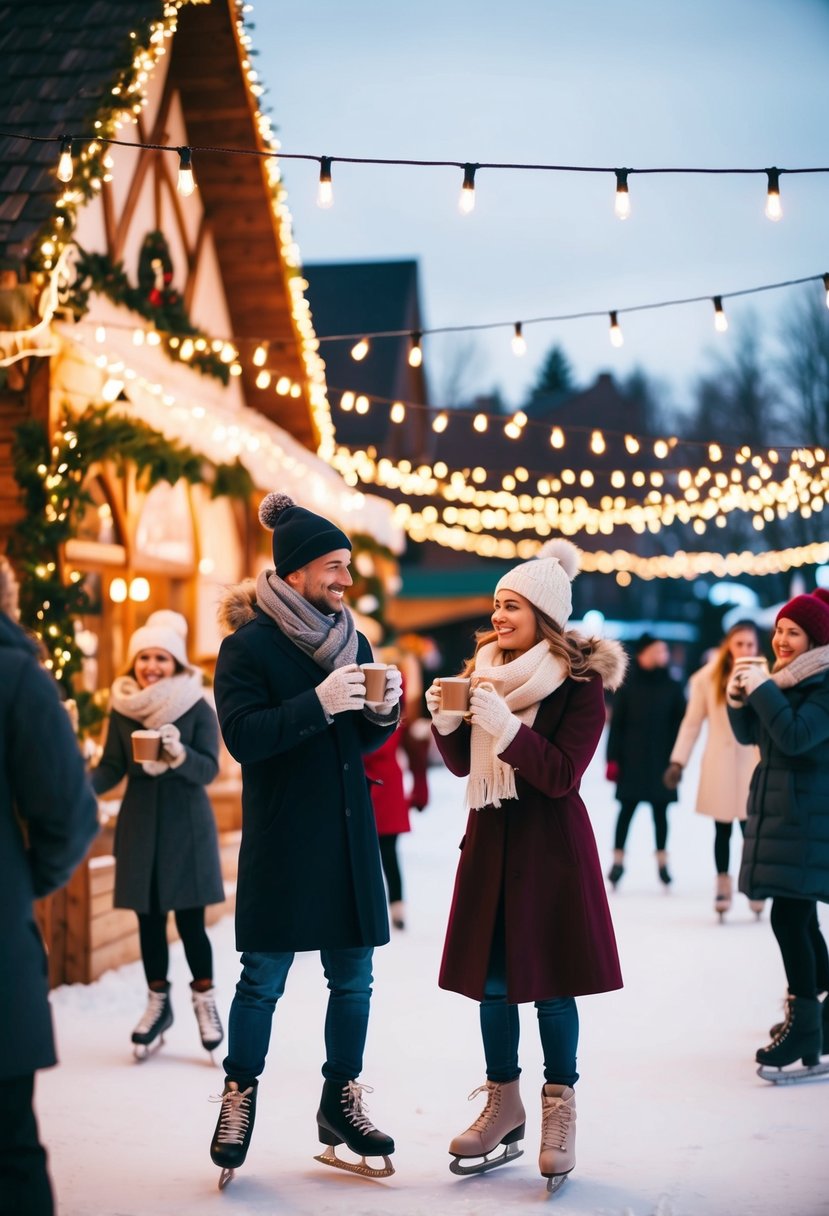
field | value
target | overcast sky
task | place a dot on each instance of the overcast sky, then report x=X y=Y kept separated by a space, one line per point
x=647 y=83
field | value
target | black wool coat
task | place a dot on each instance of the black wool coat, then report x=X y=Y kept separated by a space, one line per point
x=786 y=847
x=48 y=817
x=309 y=863
x=647 y=711
x=165 y=824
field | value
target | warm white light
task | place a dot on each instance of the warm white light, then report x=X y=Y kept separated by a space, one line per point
x=325 y=190
x=774 y=209
x=359 y=350
x=631 y=444
x=441 y=422
x=597 y=443
x=112 y=389
x=480 y=423
x=557 y=437
x=519 y=342
x=361 y=405
x=65 y=167
x=263 y=379
x=118 y=590
x=397 y=412
x=139 y=590
x=617 y=338
x=720 y=319
x=466 y=202
x=186 y=181
x=260 y=355
x=415 y=352
x=826 y=288
x=622 y=203
x=347 y=402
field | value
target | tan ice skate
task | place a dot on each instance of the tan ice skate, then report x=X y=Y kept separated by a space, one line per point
x=558 y=1134
x=722 y=897
x=500 y=1122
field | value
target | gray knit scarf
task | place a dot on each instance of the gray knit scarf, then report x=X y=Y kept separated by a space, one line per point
x=331 y=641
x=810 y=663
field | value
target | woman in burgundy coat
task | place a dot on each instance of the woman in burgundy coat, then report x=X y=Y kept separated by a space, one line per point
x=529 y=918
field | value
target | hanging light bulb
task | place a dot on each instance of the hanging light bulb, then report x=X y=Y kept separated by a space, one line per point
x=186 y=181
x=631 y=444
x=617 y=338
x=398 y=411
x=65 y=167
x=557 y=437
x=597 y=443
x=826 y=288
x=519 y=342
x=260 y=355
x=774 y=210
x=325 y=190
x=359 y=350
x=441 y=422
x=622 y=203
x=415 y=350
x=720 y=319
x=480 y=423
x=466 y=202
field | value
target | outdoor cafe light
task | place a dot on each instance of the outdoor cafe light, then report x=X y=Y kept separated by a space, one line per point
x=617 y=338
x=774 y=211
x=720 y=319
x=415 y=351
x=260 y=355
x=325 y=190
x=65 y=167
x=622 y=204
x=186 y=181
x=466 y=202
x=359 y=350
x=519 y=342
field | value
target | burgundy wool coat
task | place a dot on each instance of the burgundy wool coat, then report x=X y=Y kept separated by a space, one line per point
x=540 y=850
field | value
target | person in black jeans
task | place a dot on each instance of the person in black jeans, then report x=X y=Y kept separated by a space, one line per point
x=646 y=715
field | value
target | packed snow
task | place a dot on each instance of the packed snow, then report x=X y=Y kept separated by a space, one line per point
x=672 y=1118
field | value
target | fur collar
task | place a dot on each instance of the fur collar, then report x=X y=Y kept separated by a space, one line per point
x=608 y=661
x=237 y=606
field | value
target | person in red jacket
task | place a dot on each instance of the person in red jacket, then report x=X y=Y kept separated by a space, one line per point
x=391 y=814
x=529 y=918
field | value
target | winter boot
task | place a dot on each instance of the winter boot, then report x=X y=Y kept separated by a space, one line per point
x=662 y=867
x=157 y=1017
x=500 y=1122
x=398 y=914
x=617 y=869
x=342 y=1118
x=558 y=1133
x=231 y=1139
x=800 y=1038
x=722 y=897
x=207 y=1016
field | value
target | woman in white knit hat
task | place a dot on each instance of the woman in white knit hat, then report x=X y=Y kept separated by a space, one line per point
x=166 y=844
x=529 y=918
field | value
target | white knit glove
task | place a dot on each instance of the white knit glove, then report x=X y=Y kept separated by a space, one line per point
x=392 y=693
x=752 y=676
x=155 y=768
x=171 y=744
x=444 y=724
x=492 y=714
x=344 y=689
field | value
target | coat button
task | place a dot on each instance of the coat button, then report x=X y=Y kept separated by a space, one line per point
x=345 y=767
x=348 y=812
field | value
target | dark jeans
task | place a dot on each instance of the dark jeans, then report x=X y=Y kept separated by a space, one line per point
x=805 y=958
x=627 y=810
x=722 y=843
x=391 y=867
x=25 y=1189
x=260 y=986
x=155 y=954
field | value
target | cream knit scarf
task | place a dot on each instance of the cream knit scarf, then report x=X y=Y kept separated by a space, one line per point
x=159 y=703
x=808 y=664
x=526 y=682
x=331 y=641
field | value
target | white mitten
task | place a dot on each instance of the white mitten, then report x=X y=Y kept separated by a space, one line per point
x=492 y=714
x=444 y=724
x=392 y=694
x=155 y=768
x=172 y=745
x=753 y=675
x=342 y=690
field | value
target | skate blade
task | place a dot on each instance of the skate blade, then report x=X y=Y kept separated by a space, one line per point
x=510 y=1153
x=225 y=1177
x=555 y=1182
x=361 y=1167
x=143 y=1051
x=791 y=1076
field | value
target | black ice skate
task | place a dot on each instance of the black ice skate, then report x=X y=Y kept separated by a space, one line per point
x=231 y=1139
x=800 y=1037
x=158 y=1017
x=207 y=1016
x=342 y=1118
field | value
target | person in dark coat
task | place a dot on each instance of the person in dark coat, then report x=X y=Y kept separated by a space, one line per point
x=786 y=849
x=647 y=712
x=166 y=844
x=291 y=701
x=48 y=818
x=529 y=918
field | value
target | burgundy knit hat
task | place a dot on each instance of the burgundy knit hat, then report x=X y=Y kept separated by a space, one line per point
x=821 y=594
x=812 y=615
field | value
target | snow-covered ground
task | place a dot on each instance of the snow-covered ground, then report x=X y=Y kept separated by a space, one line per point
x=672 y=1119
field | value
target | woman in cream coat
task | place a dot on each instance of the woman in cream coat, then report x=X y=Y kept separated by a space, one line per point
x=726 y=768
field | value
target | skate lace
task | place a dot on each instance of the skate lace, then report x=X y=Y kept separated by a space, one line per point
x=207 y=1015
x=355 y=1108
x=235 y=1116
x=155 y=1007
x=490 y=1112
x=555 y=1123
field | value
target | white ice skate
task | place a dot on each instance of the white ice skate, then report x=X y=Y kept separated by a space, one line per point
x=501 y=1122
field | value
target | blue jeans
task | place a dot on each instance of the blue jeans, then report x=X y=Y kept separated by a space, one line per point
x=260 y=986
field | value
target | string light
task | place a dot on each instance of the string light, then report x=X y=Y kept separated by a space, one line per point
x=415 y=350
x=325 y=189
x=519 y=342
x=557 y=437
x=466 y=202
x=186 y=181
x=617 y=338
x=480 y=423
x=397 y=412
x=621 y=205
x=65 y=167
x=359 y=350
x=260 y=355
x=774 y=209
x=826 y=288
x=441 y=422
x=720 y=319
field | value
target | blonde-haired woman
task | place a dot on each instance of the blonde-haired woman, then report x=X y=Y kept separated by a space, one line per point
x=726 y=766
x=529 y=918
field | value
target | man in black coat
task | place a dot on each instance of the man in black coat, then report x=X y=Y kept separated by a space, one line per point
x=646 y=715
x=290 y=697
x=48 y=816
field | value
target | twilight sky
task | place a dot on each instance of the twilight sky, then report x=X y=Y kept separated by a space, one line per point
x=647 y=83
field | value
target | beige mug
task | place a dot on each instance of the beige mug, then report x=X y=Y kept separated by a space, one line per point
x=375 y=674
x=146 y=745
x=454 y=694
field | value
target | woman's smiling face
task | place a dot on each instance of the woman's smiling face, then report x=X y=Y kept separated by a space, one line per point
x=153 y=665
x=513 y=619
x=788 y=641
